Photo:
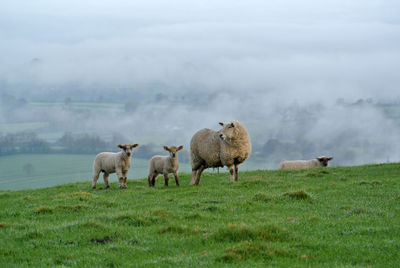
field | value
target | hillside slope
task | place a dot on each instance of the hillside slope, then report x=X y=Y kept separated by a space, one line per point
x=319 y=217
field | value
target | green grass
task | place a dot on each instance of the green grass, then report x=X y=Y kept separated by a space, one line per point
x=335 y=217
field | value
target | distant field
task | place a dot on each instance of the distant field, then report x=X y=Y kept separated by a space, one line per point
x=53 y=169
x=80 y=105
x=21 y=127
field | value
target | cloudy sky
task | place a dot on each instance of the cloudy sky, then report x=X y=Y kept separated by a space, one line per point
x=259 y=55
x=316 y=48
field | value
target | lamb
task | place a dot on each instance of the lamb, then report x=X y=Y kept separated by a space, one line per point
x=164 y=165
x=113 y=162
x=229 y=147
x=321 y=161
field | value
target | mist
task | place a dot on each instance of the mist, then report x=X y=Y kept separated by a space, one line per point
x=308 y=74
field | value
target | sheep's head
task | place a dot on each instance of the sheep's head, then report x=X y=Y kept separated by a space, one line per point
x=324 y=160
x=230 y=131
x=173 y=151
x=127 y=148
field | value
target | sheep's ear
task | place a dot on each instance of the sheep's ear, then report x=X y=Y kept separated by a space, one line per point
x=166 y=148
x=222 y=124
x=121 y=146
x=330 y=158
x=320 y=158
x=180 y=148
x=232 y=125
x=135 y=145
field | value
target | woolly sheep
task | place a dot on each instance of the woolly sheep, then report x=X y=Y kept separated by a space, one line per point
x=164 y=165
x=113 y=163
x=321 y=161
x=229 y=147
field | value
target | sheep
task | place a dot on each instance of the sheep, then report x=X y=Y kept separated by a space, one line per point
x=321 y=161
x=164 y=165
x=113 y=163
x=229 y=147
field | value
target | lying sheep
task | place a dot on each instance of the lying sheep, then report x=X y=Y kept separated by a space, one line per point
x=228 y=147
x=113 y=162
x=321 y=161
x=164 y=165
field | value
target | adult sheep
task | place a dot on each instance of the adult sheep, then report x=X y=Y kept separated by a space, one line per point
x=321 y=161
x=229 y=147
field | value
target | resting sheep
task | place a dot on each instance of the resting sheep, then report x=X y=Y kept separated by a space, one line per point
x=164 y=165
x=113 y=162
x=321 y=161
x=229 y=147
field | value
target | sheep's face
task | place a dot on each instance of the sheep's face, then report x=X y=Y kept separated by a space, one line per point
x=173 y=151
x=127 y=148
x=324 y=160
x=229 y=131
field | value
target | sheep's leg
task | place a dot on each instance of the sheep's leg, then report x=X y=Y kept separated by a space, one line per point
x=231 y=172
x=236 y=172
x=193 y=180
x=176 y=178
x=95 y=178
x=120 y=178
x=166 y=179
x=105 y=178
x=125 y=176
x=199 y=172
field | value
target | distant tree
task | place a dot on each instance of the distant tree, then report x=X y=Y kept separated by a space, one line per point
x=28 y=168
x=130 y=107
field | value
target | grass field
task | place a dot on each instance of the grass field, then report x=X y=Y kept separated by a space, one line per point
x=332 y=217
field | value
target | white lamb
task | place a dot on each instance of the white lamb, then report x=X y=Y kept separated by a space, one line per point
x=113 y=163
x=164 y=165
x=321 y=161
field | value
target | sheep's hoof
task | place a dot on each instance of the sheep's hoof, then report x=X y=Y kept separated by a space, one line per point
x=93 y=187
x=108 y=186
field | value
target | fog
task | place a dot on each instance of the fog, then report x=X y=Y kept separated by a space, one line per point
x=292 y=71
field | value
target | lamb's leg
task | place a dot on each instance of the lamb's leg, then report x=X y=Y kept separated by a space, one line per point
x=176 y=178
x=96 y=174
x=166 y=179
x=236 y=172
x=199 y=172
x=125 y=176
x=193 y=180
x=105 y=178
x=120 y=178
x=231 y=172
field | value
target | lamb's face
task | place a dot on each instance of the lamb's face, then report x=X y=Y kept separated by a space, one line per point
x=229 y=131
x=324 y=160
x=128 y=148
x=173 y=151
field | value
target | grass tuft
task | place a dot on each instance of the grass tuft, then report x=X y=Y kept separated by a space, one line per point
x=299 y=195
x=242 y=232
x=43 y=210
x=258 y=250
x=261 y=197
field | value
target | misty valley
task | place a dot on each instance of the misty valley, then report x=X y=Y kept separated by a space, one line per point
x=56 y=141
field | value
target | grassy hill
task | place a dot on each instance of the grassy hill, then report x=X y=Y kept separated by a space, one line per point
x=342 y=216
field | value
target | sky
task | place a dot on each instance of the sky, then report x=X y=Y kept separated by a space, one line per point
x=257 y=56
